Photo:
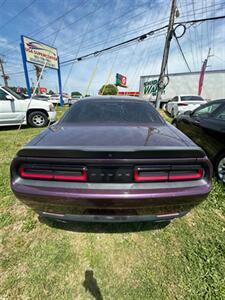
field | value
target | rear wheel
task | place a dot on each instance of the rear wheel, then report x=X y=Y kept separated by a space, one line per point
x=220 y=168
x=37 y=119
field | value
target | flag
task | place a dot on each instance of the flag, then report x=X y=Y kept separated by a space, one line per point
x=201 y=78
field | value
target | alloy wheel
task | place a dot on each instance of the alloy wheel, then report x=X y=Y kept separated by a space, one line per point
x=38 y=120
x=221 y=169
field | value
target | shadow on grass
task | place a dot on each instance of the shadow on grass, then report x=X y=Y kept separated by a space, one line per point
x=13 y=127
x=90 y=284
x=103 y=227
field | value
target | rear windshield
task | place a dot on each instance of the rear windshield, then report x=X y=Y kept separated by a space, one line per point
x=191 y=98
x=92 y=111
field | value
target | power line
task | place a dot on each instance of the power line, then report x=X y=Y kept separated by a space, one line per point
x=200 y=20
x=19 y=13
x=182 y=53
x=46 y=26
x=137 y=38
x=113 y=20
x=116 y=37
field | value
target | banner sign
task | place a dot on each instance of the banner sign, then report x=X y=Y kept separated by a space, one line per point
x=121 y=80
x=40 y=54
x=151 y=87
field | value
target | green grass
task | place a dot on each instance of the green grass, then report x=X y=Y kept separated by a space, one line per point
x=185 y=260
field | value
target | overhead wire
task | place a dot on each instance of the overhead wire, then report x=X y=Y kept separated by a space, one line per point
x=137 y=67
x=116 y=37
x=37 y=83
x=18 y=14
x=139 y=37
x=46 y=26
x=93 y=73
x=180 y=49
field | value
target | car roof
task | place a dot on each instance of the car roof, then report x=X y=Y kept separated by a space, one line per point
x=189 y=95
x=115 y=98
x=217 y=101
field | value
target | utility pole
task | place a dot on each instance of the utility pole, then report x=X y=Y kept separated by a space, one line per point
x=166 y=54
x=38 y=74
x=4 y=75
x=202 y=74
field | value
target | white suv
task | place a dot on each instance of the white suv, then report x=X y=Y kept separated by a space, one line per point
x=182 y=103
x=15 y=110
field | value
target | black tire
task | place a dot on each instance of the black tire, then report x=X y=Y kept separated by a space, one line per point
x=37 y=119
x=220 y=168
x=172 y=113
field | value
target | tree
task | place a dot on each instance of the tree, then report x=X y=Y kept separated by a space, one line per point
x=76 y=93
x=51 y=92
x=108 y=89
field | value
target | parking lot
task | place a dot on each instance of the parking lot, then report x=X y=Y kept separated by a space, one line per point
x=39 y=260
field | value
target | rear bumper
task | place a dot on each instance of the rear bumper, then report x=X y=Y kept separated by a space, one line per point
x=52 y=115
x=111 y=218
x=108 y=204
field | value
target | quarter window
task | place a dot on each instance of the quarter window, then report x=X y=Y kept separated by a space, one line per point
x=221 y=115
x=2 y=95
x=207 y=110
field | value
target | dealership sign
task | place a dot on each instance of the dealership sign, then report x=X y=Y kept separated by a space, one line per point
x=121 y=80
x=39 y=53
x=151 y=87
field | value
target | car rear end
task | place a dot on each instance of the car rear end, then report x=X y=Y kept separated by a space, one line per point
x=189 y=103
x=99 y=184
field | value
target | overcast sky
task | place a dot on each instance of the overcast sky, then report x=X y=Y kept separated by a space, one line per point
x=79 y=27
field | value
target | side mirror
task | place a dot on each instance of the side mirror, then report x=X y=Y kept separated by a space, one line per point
x=9 y=97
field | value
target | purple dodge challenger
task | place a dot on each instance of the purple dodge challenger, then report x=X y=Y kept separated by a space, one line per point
x=111 y=159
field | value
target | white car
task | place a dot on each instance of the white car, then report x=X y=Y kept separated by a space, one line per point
x=182 y=103
x=74 y=100
x=15 y=110
x=55 y=99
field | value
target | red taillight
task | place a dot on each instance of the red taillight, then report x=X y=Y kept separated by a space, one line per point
x=169 y=175
x=191 y=175
x=152 y=177
x=25 y=174
x=82 y=177
x=52 y=174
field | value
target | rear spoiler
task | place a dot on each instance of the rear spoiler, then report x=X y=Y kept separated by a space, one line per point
x=125 y=152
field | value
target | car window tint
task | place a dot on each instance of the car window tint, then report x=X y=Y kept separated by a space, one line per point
x=16 y=95
x=191 y=98
x=112 y=112
x=2 y=95
x=221 y=114
x=205 y=111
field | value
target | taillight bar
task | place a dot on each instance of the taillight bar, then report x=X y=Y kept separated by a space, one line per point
x=196 y=175
x=153 y=177
x=30 y=173
x=170 y=175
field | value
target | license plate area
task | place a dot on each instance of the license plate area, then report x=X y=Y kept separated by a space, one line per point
x=110 y=174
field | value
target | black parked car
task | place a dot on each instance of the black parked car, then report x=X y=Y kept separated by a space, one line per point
x=206 y=127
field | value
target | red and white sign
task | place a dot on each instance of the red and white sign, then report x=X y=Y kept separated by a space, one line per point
x=124 y=80
x=43 y=90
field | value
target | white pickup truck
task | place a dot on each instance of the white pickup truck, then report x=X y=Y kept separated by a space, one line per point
x=15 y=110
